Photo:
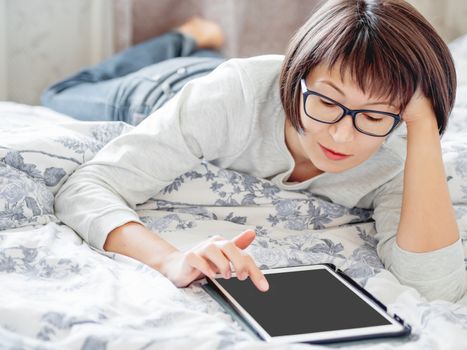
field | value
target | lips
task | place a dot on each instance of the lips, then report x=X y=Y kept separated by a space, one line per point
x=339 y=154
x=329 y=153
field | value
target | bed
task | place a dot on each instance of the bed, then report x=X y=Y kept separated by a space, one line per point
x=59 y=293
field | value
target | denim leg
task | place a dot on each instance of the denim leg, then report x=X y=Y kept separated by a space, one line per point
x=87 y=94
x=206 y=53
x=141 y=93
x=84 y=101
x=132 y=97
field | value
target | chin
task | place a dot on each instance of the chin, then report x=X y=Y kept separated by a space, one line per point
x=335 y=170
x=326 y=167
x=330 y=166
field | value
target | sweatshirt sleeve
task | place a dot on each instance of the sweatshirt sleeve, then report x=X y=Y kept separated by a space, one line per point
x=438 y=274
x=208 y=119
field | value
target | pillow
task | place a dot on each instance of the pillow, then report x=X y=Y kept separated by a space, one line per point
x=23 y=201
x=50 y=153
x=39 y=150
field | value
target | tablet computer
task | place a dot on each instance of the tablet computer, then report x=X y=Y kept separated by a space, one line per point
x=312 y=304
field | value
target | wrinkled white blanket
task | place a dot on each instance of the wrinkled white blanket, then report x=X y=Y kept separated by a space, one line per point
x=58 y=293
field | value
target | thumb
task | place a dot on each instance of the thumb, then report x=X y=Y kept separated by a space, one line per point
x=244 y=239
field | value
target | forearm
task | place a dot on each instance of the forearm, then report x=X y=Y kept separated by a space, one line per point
x=428 y=220
x=138 y=242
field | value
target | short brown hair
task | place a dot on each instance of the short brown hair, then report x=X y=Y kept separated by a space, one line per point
x=387 y=46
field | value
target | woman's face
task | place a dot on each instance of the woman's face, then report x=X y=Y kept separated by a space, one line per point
x=320 y=139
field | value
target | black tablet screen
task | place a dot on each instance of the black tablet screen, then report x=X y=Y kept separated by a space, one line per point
x=303 y=302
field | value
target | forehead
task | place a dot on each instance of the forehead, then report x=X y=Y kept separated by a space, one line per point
x=335 y=74
x=341 y=77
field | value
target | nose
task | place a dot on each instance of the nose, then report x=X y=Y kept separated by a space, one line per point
x=343 y=131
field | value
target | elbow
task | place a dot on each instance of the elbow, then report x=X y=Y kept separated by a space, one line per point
x=438 y=274
x=451 y=287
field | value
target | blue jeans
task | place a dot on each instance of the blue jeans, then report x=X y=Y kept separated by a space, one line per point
x=133 y=83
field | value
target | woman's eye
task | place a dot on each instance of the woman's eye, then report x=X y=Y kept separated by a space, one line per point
x=372 y=119
x=327 y=103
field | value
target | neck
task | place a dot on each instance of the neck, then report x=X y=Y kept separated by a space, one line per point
x=291 y=140
x=304 y=169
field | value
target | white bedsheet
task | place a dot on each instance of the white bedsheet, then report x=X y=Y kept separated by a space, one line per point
x=58 y=293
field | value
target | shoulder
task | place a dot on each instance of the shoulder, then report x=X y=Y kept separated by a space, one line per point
x=258 y=66
x=220 y=110
x=395 y=145
x=259 y=73
x=243 y=77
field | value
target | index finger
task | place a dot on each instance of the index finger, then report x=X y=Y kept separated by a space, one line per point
x=257 y=276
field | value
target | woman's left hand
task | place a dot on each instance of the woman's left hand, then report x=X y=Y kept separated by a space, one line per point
x=418 y=110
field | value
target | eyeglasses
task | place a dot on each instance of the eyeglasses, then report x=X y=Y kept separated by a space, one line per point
x=325 y=110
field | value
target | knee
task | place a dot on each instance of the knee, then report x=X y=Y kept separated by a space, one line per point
x=47 y=97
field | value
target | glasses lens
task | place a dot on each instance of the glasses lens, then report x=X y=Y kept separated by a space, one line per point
x=374 y=123
x=322 y=109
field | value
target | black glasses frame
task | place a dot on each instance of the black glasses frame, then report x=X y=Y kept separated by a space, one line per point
x=346 y=111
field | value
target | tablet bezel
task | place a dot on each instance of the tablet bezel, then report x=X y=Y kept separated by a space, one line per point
x=396 y=328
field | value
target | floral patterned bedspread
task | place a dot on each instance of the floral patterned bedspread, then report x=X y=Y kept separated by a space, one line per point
x=58 y=293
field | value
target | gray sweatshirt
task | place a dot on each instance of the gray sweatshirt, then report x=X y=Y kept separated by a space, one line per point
x=234 y=119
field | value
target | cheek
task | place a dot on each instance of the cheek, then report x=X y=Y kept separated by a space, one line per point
x=367 y=146
x=313 y=127
x=363 y=146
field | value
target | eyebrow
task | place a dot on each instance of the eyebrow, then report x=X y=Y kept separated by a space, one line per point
x=330 y=83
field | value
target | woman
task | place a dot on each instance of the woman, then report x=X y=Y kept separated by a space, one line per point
x=353 y=112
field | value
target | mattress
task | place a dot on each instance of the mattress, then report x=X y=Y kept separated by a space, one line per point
x=60 y=293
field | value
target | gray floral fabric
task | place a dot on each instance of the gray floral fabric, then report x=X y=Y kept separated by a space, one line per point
x=59 y=293
x=22 y=200
x=36 y=158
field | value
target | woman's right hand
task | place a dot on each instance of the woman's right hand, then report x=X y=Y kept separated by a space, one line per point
x=212 y=256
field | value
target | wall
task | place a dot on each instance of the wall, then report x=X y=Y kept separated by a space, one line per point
x=447 y=16
x=251 y=27
x=42 y=41
x=3 y=52
x=264 y=26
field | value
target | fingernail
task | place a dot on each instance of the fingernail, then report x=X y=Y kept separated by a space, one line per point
x=264 y=285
